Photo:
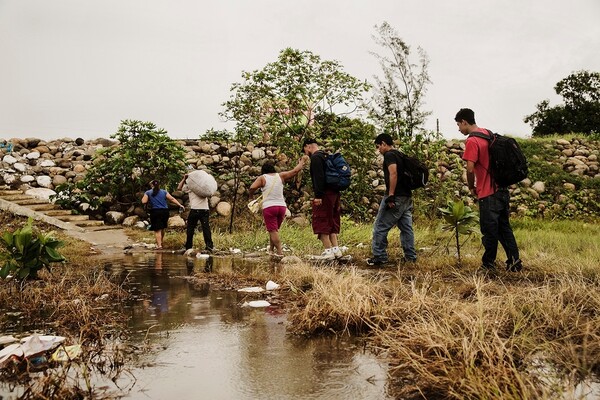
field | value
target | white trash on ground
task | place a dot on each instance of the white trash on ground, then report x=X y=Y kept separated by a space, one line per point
x=252 y=289
x=29 y=346
x=256 y=304
x=272 y=285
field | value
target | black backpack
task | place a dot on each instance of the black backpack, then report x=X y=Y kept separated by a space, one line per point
x=337 y=172
x=415 y=173
x=508 y=164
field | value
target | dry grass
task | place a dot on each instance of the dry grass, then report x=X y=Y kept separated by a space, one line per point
x=76 y=300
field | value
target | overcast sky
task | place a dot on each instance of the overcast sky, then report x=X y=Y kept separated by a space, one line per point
x=76 y=68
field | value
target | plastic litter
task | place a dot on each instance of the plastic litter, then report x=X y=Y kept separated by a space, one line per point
x=272 y=285
x=36 y=344
x=66 y=353
x=253 y=289
x=257 y=303
x=30 y=348
x=202 y=256
x=4 y=340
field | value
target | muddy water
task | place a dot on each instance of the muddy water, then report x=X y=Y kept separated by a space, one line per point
x=204 y=345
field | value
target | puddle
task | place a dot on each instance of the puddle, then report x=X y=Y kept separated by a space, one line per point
x=204 y=345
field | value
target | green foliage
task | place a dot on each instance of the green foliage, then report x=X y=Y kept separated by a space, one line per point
x=460 y=220
x=28 y=252
x=545 y=164
x=120 y=173
x=281 y=101
x=399 y=96
x=354 y=139
x=579 y=113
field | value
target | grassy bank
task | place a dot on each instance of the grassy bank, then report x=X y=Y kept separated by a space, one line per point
x=76 y=300
x=447 y=330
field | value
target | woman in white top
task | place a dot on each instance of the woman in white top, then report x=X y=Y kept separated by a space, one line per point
x=273 y=205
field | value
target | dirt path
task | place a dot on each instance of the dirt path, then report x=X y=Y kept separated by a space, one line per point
x=107 y=241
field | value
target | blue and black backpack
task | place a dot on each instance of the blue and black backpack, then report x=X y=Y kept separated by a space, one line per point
x=337 y=172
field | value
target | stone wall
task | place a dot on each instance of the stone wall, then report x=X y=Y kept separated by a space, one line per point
x=30 y=163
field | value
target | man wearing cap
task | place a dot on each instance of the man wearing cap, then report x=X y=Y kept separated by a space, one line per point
x=325 y=205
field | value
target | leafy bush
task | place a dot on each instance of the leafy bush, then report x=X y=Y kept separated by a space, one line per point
x=119 y=174
x=28 y=252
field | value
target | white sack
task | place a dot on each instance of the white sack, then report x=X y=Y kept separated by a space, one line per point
x=201 y=183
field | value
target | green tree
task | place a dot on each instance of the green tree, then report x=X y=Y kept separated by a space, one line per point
x=280 y=103
x=354 y=138
x=120 y=173
x=579 y=113
x=399 y=95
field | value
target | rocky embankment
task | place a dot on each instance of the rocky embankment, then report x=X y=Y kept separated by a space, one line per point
x=37 y=166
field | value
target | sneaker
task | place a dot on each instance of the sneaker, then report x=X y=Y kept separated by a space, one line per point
x=338 y=254
x=377 y=262
x=325 y=256
x=405 y=260
x=487 y=270
x=515 y=266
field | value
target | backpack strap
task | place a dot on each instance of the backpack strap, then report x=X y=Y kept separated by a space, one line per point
x=489 y=136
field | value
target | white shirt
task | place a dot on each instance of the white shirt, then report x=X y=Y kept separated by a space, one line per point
x=273 y=196
x=196 y=202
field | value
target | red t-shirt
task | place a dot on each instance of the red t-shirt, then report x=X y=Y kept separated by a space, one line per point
x=476 y=150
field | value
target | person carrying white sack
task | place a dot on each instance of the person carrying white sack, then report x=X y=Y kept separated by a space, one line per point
x=273 y=204
x=199 y=185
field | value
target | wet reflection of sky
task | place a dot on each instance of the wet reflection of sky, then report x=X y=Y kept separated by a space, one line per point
x=204 y=345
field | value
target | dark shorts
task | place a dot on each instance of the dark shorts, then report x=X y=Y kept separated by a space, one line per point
x=159 y=219
x=274 y=216
x=326 y=217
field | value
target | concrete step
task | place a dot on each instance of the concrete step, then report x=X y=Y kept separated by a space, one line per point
x=88 y=223
x=9 y=192
x=72 y=217
x=43 y=207
x=56 y=213
x=29 y=201
x=15 y=197
x=102 y=228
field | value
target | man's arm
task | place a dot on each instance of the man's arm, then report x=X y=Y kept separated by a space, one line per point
x=393 y=171
x=471 y=177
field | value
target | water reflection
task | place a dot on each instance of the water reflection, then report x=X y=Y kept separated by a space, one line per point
x=205 y=345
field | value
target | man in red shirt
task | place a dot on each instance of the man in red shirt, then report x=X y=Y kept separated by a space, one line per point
x=493 y=200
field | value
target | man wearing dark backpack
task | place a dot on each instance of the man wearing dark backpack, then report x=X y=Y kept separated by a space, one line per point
x=395 y=208
x=326 y=206
x=493 y=200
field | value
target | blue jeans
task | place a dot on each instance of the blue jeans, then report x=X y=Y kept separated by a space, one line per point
x=495 y=227
x=387 y=218
x=193 y=219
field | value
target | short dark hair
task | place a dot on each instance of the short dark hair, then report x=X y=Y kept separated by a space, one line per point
x=267 y=168
x=308 y=141
x=384 y=138
x=465 y=114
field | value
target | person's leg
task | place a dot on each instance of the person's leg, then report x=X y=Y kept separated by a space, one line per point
x=407 y=236
x=275 y=242
x=489 y=214
x=321 y=223
x=385 y=220
x=273 y=218
x=158 y=236
x=506 y=235
x=324 y=238
x=336 y=212
x=192 y=222
x=206 y=233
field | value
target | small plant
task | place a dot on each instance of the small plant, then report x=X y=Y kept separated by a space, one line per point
x=460 y=220
x=28 y=252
